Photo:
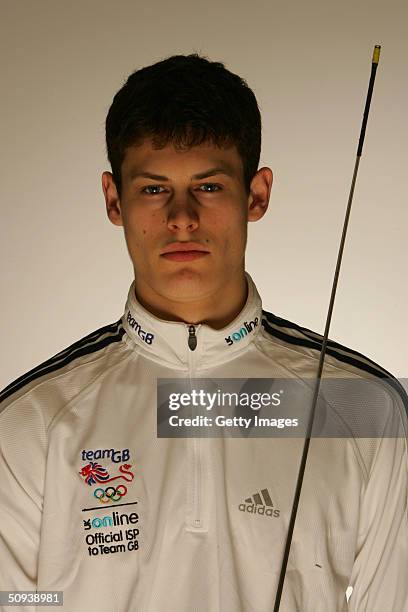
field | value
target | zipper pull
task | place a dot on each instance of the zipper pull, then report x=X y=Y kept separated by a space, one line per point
x=192 y=338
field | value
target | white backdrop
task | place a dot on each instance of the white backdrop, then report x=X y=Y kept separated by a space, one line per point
x=65 y=270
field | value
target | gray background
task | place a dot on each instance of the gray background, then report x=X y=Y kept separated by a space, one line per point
x=65 y=269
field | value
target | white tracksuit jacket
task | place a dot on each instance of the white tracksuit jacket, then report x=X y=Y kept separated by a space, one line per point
x=189 y=538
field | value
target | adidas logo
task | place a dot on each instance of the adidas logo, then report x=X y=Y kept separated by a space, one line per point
x=259 y=505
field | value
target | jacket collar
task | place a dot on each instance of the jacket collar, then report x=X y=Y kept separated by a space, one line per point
x=168 y=341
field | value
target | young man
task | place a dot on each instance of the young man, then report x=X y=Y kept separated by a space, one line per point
x=94 y=503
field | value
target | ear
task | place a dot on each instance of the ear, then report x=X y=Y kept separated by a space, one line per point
x=113 y=207
x=260 y=190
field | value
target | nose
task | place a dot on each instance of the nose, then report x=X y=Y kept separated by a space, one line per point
x=182 y=216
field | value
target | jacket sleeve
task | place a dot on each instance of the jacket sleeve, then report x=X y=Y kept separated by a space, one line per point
x=22 y=466
x=380 y=571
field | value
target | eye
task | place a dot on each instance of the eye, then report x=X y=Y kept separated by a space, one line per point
x=210 y=185
x=152 y=187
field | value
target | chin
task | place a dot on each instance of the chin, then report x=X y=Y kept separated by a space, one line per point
x=188 y=285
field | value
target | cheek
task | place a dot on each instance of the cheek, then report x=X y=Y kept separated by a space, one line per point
x=140 y=227
x=235 y=227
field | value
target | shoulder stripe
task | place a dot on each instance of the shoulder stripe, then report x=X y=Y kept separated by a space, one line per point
x=111 y=328
x=275 y=326
x=284 y=323
x=89 y=344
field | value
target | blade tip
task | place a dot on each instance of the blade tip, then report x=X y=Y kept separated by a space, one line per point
x=376 y=54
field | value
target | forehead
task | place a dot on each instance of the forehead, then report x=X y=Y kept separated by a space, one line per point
x=170 y=161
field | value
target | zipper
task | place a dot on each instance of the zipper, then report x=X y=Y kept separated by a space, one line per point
x=192 y=338
x=197 y=483
x=196 y=444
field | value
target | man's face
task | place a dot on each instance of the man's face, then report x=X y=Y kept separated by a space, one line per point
x=178 y=200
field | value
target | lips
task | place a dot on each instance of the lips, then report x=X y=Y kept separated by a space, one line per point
x=184 y=255
x=183 y=247
x=184 y=251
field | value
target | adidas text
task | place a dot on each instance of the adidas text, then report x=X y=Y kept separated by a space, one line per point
x=259 y=509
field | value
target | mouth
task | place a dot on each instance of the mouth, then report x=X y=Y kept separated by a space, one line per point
x=184 y=251
x=184 y=255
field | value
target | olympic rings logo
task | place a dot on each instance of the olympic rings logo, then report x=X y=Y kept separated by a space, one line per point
x=110 y=493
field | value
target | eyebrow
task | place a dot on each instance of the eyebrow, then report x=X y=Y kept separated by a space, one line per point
x=201 y=175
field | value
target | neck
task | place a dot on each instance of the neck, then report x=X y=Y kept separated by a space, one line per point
x=217 y=309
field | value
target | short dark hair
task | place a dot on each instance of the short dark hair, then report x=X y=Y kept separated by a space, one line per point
x=186 y=100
